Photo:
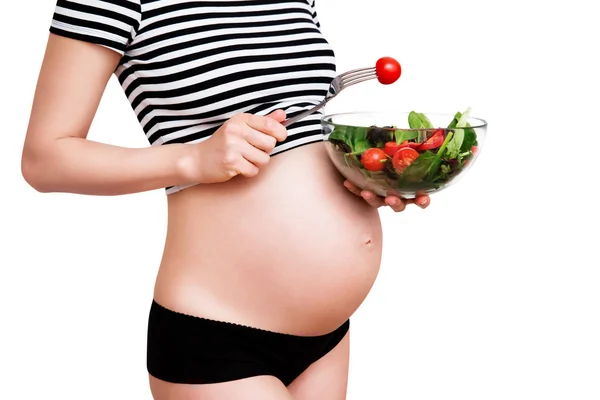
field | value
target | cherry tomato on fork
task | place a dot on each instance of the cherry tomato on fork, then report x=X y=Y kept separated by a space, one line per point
x=388 y=70
x=373 y=159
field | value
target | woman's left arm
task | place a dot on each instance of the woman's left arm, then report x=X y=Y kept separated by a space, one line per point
x=395 y=203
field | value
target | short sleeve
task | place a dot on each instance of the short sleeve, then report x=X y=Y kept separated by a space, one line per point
x=109 y=23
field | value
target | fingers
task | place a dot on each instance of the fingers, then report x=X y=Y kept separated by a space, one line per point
x=256 y=157
x=395 y=203
x=372 y=199
x=247 y=169
x=369 y=197
x=259 y=140
x=352 y=188
x=244 y=143
x=422 y=201
x=278 y=115
x=268 y=125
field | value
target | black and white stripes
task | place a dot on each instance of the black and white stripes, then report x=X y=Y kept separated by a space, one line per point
x=110 y=23
x=188 y=66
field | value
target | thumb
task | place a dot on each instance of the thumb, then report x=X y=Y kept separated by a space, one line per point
x=278 y=115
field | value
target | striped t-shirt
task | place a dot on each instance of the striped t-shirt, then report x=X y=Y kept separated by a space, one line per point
x=188 y=66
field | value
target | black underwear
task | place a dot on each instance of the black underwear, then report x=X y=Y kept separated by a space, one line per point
x=191 y=350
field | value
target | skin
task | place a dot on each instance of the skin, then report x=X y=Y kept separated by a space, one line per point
x=58 y=157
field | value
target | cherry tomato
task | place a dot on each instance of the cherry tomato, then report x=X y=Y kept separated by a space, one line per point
x=434 y=141
x=403 y=158
x=412 y=145
x=373 y=159
x=388 y=70
x=391 y=148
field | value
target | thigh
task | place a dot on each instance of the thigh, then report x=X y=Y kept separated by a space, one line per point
x=327 y=378
x=255 y=388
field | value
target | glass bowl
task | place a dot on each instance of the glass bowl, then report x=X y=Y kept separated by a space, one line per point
x=403 y=154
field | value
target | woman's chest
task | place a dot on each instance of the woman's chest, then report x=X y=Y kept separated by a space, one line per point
x=215 y=28
x=191 y=54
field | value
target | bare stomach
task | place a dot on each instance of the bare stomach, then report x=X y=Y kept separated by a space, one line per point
x=290 y=250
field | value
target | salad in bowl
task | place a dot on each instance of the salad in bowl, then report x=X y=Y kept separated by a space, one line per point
x=403 y=154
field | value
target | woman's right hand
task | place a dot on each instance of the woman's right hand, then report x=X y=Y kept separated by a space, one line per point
x=240 y=147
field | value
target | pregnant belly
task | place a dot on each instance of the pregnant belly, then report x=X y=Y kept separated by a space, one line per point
x=290 y=250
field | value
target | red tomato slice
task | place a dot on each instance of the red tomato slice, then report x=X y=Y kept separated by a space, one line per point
x=391 y=148
x=403 y=158
x=373 y=159
x=434 y=141
x=412 y=145
x=388 y=70
x=474 y=149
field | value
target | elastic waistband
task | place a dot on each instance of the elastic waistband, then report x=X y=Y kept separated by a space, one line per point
x=191 y=322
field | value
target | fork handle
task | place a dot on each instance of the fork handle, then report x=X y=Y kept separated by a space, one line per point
x=305 y=114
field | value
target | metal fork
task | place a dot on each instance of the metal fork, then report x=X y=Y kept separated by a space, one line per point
x=338 y=84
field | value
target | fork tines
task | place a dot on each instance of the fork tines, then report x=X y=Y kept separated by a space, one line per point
x=356 y=76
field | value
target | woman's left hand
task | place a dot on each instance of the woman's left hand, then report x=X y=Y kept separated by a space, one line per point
x=395 y=203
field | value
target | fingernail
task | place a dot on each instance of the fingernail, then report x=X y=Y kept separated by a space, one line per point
x=393 y=202
x=422 y=202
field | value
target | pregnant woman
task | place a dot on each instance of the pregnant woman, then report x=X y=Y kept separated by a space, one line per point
x=268 y=250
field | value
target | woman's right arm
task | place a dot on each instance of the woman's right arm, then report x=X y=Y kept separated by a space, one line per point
x=58 y=157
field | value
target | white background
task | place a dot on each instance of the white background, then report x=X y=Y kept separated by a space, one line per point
x=491 y=293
